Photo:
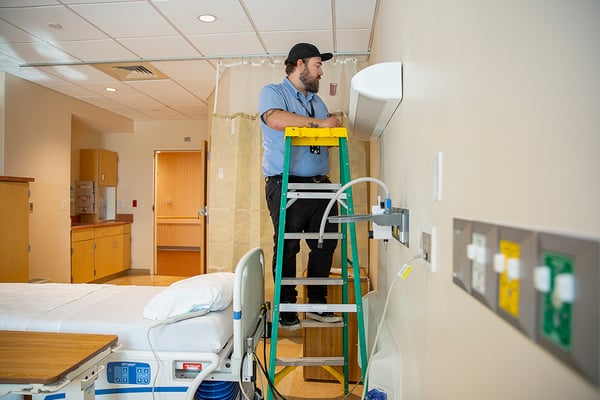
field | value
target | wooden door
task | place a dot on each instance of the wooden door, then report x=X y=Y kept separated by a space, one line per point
x=180 y=223
x=14 y=232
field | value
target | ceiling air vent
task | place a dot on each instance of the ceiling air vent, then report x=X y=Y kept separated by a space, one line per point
x=131 y=71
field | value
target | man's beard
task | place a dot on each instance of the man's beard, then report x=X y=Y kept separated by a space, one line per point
x=310 y=85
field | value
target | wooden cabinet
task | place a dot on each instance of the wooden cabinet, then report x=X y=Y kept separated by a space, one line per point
x=14 y=229
x=98 y=165
x=112 y=250
x=98 y=252
x=322 y=342
x=82 y=255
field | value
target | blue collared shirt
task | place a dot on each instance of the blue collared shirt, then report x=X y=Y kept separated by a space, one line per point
x=284 y=96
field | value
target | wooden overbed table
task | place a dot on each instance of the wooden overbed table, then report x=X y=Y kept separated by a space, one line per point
x=41 y=359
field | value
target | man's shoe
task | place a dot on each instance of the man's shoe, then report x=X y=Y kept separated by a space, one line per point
x=324 y=317
x=289 y=321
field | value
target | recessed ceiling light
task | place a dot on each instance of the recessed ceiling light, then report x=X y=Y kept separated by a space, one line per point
x=207 y=18
x=110 y=89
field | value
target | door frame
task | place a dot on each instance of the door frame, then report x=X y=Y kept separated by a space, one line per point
x=201 y=213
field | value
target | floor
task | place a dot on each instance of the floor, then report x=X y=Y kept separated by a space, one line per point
x=293 y=386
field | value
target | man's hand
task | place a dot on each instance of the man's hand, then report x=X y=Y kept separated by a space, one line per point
x=329 y=122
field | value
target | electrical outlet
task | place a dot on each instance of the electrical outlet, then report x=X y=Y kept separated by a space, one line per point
x=426 y=245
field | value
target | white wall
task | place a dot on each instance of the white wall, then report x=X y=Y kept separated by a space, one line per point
x=136 y=174
x=510 y=92
x=37 y=134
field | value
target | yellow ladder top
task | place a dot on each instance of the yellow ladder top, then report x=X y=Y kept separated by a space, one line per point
x=315 y=136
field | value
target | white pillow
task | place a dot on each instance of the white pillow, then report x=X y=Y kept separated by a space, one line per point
x=208 y=292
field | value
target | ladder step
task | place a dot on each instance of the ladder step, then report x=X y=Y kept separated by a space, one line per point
x=312 y=235
x=348 y=308
x=310 y=361
x=313 y=195
x=334 y=187
x=312 y=281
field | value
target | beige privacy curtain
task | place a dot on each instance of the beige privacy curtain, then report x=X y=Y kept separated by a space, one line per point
x=238 y=216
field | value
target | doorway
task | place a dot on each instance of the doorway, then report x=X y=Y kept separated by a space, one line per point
x=179 y=217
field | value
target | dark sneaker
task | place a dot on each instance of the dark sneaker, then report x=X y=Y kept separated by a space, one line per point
x=324 y=316
x=289 y=321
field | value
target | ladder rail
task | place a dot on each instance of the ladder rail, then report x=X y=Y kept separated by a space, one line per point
x=279 y=263
x=290 y=193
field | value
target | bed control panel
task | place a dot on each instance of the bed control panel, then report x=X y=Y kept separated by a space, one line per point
x=128 y=373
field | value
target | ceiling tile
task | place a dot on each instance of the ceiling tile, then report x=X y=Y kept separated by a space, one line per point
x=69 y=89
x=233 y=44
x=282 y=42
x=8 y=33
x=193 y=69
x=35 y=20
x=352 y=14
x=201 y=88
x=35 y=52
x=160 y=47
x=184 y=14
x=131 y=19
x=27 y=3
x=355 y=40
x=32 y=74
x=97 y=50
x=122 y=89
x=270 y=15
x=80 y=73
x=163 y=86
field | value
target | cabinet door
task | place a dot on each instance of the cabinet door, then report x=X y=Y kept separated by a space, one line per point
x=108 y=255
x=14 y=232
x=98 y=165
x=108 y=168
x=126 y=252
x=82 y=261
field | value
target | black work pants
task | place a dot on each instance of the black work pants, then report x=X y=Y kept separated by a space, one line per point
x=303 y=216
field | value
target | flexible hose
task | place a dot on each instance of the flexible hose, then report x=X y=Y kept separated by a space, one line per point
x=341 y=190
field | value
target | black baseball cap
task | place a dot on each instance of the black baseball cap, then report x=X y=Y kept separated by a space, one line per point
x=306 y=50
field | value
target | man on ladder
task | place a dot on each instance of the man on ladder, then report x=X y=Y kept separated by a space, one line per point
x=294 y=102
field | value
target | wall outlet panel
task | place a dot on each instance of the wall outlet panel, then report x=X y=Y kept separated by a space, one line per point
x=461 y=265
x=484 y=281
x=570 y=330
x=427 y=243
x=551 y=294
x=516 y=296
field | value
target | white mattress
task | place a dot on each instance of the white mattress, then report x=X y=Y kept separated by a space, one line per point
x=110 y=309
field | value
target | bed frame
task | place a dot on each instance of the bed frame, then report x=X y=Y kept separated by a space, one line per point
x=160 y=375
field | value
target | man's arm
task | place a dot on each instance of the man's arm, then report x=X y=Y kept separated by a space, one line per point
x=279 y=120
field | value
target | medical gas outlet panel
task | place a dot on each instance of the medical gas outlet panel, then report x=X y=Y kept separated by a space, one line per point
x=543 y=284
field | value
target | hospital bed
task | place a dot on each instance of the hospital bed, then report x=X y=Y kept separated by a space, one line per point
x=186 y=353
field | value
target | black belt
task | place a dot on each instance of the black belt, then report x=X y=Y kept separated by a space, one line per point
x=300 y=179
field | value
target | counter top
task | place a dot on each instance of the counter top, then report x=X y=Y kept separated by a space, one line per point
x=83 y=225
x=15 y=179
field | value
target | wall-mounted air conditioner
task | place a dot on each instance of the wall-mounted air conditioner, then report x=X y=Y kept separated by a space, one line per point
x=375 y=93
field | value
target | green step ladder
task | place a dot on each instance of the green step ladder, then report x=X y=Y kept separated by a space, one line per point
x=337 y=137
